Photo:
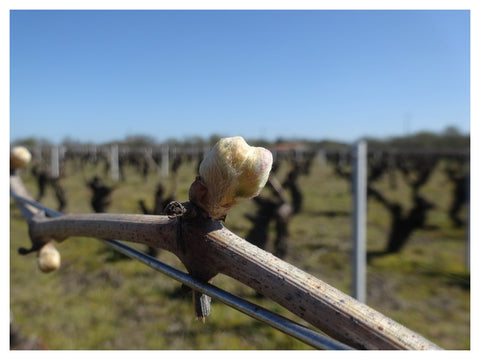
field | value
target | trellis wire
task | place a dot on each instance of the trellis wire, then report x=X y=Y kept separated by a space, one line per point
x=287 y=326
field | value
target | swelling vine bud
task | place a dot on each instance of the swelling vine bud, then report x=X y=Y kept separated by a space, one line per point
x=48 y=258
x=19 y=157
x=231 y=171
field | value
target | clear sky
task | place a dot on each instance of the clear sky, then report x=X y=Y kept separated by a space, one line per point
x=318 y=74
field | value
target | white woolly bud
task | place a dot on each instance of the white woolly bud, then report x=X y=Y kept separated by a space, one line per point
x=48 y=258
x=233 y=171
x=19 y=157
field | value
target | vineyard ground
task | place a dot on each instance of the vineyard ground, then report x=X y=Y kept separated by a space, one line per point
x=98 y=300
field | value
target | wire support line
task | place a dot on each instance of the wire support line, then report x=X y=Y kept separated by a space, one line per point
x=285 y=325
x=255 y=311
x=46 y=210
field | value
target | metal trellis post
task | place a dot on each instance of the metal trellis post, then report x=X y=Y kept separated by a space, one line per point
x=359 y=220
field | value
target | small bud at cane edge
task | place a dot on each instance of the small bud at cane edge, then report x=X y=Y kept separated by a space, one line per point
x=48 y=258
x=19 y=157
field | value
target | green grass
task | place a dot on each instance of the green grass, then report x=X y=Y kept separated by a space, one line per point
x=93 y=303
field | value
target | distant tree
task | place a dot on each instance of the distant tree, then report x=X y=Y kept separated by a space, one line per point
x=449 y=139
x=70 y=142
x=31 y=142
x=139 y=140
x=194 y=141
x=214 y=139
x=172 y=142
x=451 y=131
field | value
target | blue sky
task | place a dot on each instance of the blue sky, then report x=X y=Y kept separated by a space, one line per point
x=318 y=74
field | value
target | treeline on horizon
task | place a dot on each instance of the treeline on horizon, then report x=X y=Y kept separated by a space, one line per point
x=450 y=139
